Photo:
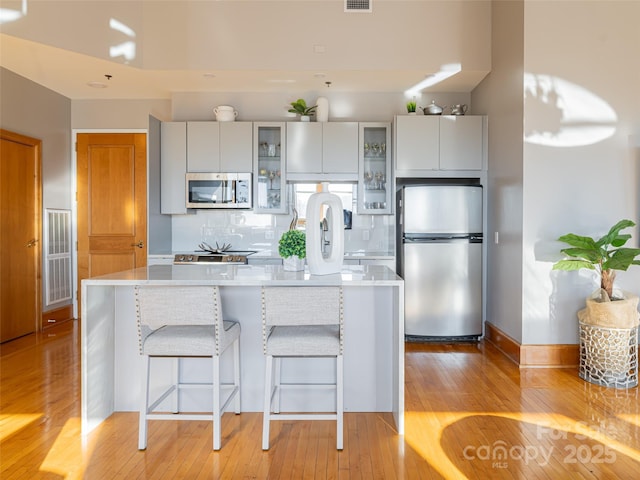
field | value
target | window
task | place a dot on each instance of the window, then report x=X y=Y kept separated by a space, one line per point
x=302 y=192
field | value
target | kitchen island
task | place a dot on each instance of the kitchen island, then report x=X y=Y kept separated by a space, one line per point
x=373 y=344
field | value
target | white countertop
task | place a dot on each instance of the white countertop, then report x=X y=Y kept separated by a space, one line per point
x=246 y=275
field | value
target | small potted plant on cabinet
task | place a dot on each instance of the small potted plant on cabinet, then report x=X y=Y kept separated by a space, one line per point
x=609 y=323
x=411 y=107
x=300 y=107
x=292 y=247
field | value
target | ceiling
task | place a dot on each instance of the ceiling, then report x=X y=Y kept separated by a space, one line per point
x=152 y=48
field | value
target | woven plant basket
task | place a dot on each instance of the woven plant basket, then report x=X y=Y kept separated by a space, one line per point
x=609 y=340
x=609 y=356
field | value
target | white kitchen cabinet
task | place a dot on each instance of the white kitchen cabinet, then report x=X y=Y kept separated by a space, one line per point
x=200 y=147
x=461 y=142
x=425 y=143
x=374 y=174
x=322 y=151
x=340 y=147
x=236 y=147
x=304 y=147
x=269 y=167
x=219 y=146
x=173 y=167
x=203 y=147
x=417 y=142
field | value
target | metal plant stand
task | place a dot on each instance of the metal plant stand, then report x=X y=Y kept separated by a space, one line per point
x=609 y=356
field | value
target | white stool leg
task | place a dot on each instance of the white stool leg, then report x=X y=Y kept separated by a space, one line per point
x=144 y=402
x=277 y=380
x=267 y=401
x=339 y=401
x=236 y=373
x=217 y=414
x=175 y=379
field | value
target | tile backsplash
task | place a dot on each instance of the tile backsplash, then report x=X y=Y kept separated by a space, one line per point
x=247 y=230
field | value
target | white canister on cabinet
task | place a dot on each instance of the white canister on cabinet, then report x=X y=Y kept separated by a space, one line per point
x=322 y=109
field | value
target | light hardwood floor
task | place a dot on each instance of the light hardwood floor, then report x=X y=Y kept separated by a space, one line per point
x=470 y=413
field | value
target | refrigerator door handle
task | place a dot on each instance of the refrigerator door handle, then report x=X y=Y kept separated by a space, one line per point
x=437 y=238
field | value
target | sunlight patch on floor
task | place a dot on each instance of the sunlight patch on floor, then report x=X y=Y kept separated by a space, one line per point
x=13 y=422
x=70 y=453
x=423 y=432
x=635 y=419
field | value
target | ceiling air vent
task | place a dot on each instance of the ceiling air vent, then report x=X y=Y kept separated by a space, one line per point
x=357 y=6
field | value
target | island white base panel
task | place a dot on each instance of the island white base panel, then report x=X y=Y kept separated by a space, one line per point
x=111 y=359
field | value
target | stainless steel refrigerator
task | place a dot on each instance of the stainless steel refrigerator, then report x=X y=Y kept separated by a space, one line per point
x=440 y=260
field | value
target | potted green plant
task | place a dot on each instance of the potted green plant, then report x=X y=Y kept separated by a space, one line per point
x=292 y=247
x=608 y=324
x=605 y=255
x=300 y=107
x=411 y=106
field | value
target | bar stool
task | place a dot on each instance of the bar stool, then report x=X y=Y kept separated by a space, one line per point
x=301 y=322
x=179 y=322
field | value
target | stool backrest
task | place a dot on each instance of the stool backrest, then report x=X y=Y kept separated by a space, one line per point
x=167 y=305
x=282 y=306
x=178 y=305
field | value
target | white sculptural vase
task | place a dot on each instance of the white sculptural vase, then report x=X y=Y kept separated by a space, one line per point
x=328 y=260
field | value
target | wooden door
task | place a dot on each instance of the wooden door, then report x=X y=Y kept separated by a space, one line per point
x=112 y=203
x=20 y=227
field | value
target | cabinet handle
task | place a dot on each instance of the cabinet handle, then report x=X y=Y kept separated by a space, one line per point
x=32 y=243
x=140 y=244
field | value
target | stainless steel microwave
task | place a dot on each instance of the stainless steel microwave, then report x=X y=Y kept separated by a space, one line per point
x=219 y=190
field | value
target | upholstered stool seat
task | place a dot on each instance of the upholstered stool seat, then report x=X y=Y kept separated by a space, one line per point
x=188 y=340
x=316 y=340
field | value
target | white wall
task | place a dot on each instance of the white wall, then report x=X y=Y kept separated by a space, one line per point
x=117 y=114
x=500 y=96
x=574 y=166
x=579 y=172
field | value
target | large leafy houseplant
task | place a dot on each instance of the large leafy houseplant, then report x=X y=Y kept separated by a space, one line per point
x=605 y=255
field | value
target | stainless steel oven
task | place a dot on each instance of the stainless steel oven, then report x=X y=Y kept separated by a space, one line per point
x=218 y=190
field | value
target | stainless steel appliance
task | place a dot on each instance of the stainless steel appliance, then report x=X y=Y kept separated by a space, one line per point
x=218 y=190
x=208 y=255
x=440 y=260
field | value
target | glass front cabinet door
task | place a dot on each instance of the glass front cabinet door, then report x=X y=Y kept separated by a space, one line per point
x=374 y=184
x=269 y=167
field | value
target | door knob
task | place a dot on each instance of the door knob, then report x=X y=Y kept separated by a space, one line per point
x=32 y=243
x=140 y=244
